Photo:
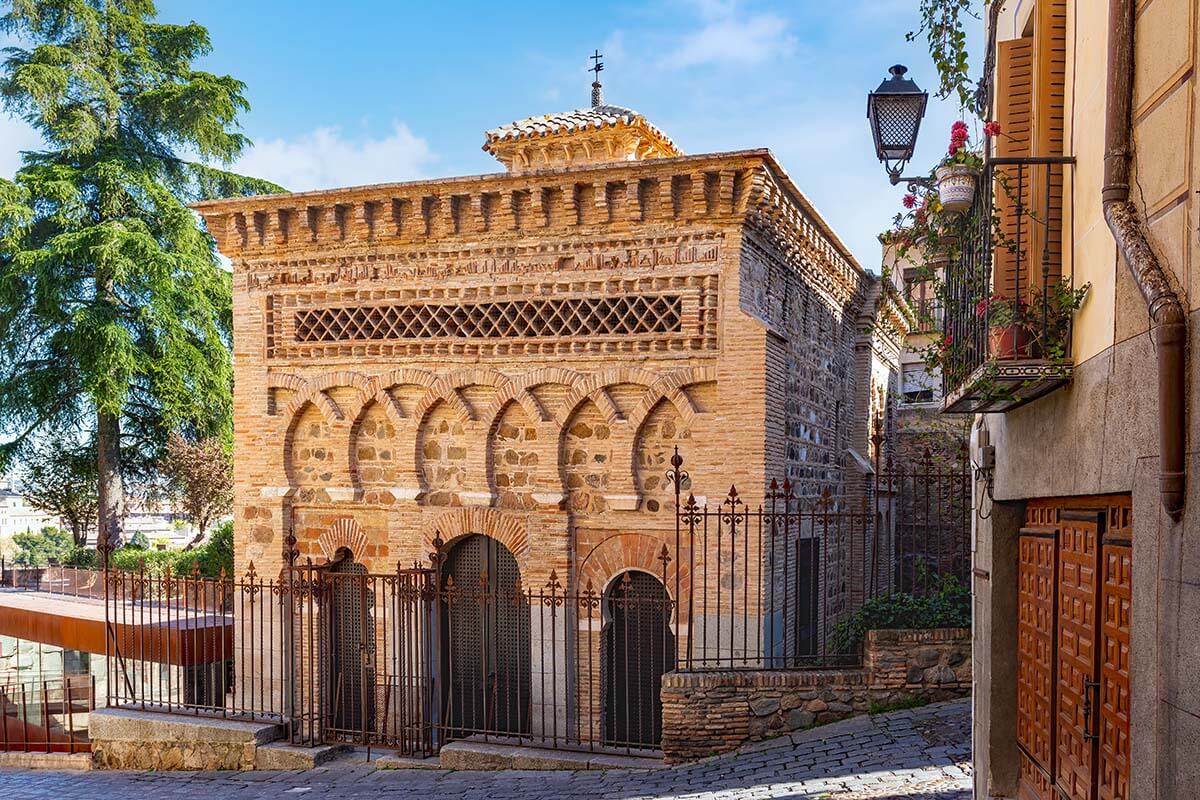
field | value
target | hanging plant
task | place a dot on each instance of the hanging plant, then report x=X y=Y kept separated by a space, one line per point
x=958 y=172
x=942 y=26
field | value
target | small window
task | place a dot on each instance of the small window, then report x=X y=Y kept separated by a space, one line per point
x=919 y=385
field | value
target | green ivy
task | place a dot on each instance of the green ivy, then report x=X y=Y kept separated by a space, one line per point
x=946 y=605
x=942 y=26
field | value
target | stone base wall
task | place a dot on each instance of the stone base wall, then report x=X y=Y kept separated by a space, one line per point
x=705 y=713
x=128 y=739
x=168 y=755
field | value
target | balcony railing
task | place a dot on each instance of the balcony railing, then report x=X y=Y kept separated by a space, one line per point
x=928 y=314
x=1007 y=336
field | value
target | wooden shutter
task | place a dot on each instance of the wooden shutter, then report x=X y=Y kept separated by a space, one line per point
x=1049 y=94
x=1014 y=104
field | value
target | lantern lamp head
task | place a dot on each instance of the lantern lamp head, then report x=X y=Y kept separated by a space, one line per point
x=895 y=111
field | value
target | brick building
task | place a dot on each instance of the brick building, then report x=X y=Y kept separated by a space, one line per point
x=512 y=358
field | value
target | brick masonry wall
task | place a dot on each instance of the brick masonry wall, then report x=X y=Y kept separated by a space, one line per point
x=705 y=713
x=375 y=396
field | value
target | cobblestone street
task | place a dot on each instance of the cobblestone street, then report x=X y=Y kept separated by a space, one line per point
x=921 y=753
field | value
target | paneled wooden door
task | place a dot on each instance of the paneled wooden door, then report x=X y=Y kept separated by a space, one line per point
x=1074 y=599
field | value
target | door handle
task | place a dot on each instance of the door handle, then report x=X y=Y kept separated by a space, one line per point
x=1089 y=686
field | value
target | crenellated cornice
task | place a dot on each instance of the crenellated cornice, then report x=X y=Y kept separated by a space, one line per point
x=720 y=188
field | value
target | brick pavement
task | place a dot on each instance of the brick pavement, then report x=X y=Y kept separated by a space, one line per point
x=918 y=754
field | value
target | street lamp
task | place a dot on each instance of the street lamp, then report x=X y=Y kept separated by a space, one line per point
x=895 y=110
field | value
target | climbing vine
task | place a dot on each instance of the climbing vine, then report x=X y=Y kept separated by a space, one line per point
x=942 y=25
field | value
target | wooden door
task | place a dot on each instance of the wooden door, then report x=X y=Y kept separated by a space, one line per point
x=1115 y=604
x=1078 y=656
x=1074 y=600
x=1035 y=662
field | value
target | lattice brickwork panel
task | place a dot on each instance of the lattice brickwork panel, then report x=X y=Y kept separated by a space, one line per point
x=646 y=315
x=574 y=317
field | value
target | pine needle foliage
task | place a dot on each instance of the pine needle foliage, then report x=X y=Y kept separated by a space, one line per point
x=115 y=311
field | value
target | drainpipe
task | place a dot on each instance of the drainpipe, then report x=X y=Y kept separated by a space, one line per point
x=1168 y=320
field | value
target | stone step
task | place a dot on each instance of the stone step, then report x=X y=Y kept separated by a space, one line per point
x=56 y=761
x=284 y=756
x=474 y=754
x=124 y=738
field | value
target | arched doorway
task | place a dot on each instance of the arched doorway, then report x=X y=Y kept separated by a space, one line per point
x=349 y=665
x=485 y=647
x=637 y=647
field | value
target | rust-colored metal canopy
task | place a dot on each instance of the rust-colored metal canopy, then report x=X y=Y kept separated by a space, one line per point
x=78 y=624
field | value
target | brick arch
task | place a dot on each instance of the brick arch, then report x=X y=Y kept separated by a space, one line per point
x=671 y=387
x=592 y=387
x=542 y=375
x=399 y=377
x=625 y=551
x=508 y=529
x=328 y=407
x=285 y=380
x=344 y=532
x=446 y=388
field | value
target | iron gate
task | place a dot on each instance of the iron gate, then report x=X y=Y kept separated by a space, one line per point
x=485 y=640
x=638 y=648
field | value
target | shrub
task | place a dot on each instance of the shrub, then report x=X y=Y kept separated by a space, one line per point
x=209 y=558
x=39 y=549
x=947 y=605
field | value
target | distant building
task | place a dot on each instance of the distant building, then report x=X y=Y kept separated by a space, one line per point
x=18 y=516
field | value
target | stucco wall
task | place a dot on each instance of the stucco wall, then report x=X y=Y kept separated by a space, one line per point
x=1100 y=434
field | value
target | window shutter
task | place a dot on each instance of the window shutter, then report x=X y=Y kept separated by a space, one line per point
x=1049 y=91
x=1012 y=191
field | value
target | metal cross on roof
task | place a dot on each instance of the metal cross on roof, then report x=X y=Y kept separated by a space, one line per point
x=597 y=68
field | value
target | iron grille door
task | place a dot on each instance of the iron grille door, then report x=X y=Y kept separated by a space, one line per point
x=349 y=681
x=485 y=643
x=807 y=597
x=638 y=648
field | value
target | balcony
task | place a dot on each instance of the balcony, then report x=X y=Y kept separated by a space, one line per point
x=1008 y=309
x=927 y=313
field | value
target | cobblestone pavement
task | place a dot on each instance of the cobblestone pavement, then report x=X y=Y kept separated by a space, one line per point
x=919 y=754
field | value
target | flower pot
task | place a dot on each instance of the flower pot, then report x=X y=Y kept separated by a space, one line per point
x=956 y=187
x=1009 y=342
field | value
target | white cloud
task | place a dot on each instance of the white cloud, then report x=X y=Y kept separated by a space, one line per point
x=729 y=35
x=326 y=158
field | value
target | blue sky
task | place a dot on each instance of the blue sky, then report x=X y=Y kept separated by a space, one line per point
x=368 y=91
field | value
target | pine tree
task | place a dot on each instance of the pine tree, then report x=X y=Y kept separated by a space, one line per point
x=115 y=312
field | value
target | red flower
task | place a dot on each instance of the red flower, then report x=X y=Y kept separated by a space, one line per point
x=991 y=129
x=919 y=215
x=910 y=200
x=958 y=136
x=946 y=342
x=981 y=307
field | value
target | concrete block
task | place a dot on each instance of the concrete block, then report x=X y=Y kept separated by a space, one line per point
x=59 y=762
x=283 y=756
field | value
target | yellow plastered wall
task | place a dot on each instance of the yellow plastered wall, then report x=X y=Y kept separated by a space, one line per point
x=1090 y=255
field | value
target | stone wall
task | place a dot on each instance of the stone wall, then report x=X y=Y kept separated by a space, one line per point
x=705 y=713
x=127 y=739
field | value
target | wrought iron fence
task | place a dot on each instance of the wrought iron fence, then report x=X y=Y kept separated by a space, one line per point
x=173 y=641
x=766 y=585
x=1011 y=249
x=461 y=647
x=49 y=716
